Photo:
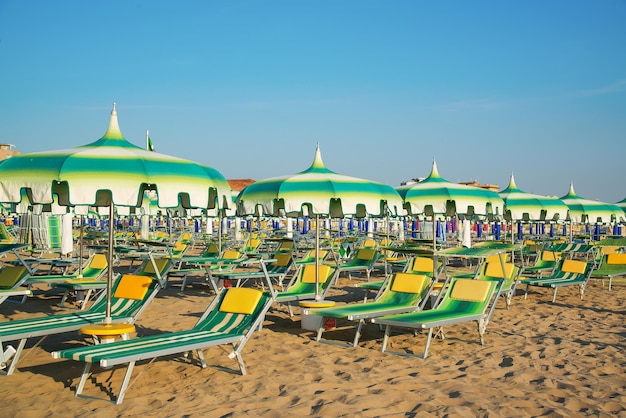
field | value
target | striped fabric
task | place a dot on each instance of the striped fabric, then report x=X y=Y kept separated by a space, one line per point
x=591 y=211
x=439 y=193
x=111 y=163
x=520 y=205
x=322 y=191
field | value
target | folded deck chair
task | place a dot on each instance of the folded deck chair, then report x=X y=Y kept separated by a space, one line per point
x=363 y=260
x=567 y=273
x=545 y=264
x=302 y=286
x=230 y=319
x=611 y=266
x=467 y=300
x=130 y=296
x=11 y=278
x=404 y=292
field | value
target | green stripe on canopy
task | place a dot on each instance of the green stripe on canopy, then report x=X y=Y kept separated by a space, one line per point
x=321 y=191
x=111 y=164
x=439 y=194
x=520 y=205
x=590 y=211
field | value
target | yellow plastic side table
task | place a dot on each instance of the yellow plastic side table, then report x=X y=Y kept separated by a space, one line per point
x=106 y=333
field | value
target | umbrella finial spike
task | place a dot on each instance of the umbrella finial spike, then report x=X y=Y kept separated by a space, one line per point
x=113 y=131
x=434 y=172
x=317 y=161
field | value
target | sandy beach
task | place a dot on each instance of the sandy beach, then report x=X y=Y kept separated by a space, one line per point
x=539 y=359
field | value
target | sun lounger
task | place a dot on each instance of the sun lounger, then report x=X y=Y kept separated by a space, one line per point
x=363 y=260
x=567 y=273
x=467 y=300
x=404 y=292
x=11 y=278
x=611 y=266
x=131 y=295
x=231 y=319
x=302 y=286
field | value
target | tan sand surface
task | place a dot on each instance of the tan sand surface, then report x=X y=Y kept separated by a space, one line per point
x=539 y=359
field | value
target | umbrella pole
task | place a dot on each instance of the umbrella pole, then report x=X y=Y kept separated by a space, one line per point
x=80 y=250
x=317 y=259
x=107 y=319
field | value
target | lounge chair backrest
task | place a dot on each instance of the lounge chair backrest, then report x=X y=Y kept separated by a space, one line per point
x=494 y=269
x=231 y=254
x=179 y=246
x=550 y=256
x=240 y=300
x=423 y=265
x=308 y=273
x=282 y=259
x=409 y=283
x=161 y=264
x=496 y=258
x=286 y=246
x=369 y=243
x=574 y=266
x=470 y=290
x=133 y=287
x=98 y=261
x=616 y=258
x=211 y=250
x=10 y=275
x=252 y=244
x=609 y=249
x=365 y=254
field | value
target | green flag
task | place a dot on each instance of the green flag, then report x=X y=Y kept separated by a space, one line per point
x=150 y=146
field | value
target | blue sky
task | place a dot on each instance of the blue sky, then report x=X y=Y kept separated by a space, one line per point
x=486 y=88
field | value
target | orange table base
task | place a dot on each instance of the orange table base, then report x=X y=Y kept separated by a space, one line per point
x=107 y=332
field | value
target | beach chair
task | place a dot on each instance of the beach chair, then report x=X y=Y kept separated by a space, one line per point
x=467 y=300
x=363 y=260
x=415 y=265
x=273 y=269
x=11 y=278
x=227 y=262
x=544 y=264
x=567 y=273
x=404 y=292
x=130 y=296
x=302 y=285
x=509 y=273
x=612 y=265
x=309 y=257
x=230 y=319
x=94 y=269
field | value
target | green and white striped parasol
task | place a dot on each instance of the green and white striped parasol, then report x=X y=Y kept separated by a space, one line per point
x=591 y=211
x=318 y=191
x=520 y=205
x=108 y=172
x=436 y=195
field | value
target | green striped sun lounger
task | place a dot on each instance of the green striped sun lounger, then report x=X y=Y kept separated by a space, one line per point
x=467 y=300
x=611 y=266
x=567 y=273
x=130 y=296
x=230 y=319
x=405 y=292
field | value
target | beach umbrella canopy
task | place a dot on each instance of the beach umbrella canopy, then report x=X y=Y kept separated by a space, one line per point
x=107 y=173
x=436 y=195
x=520 y=205
x=110 y=169
x=622 y=204
x=318 y=191
x=590 y=211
